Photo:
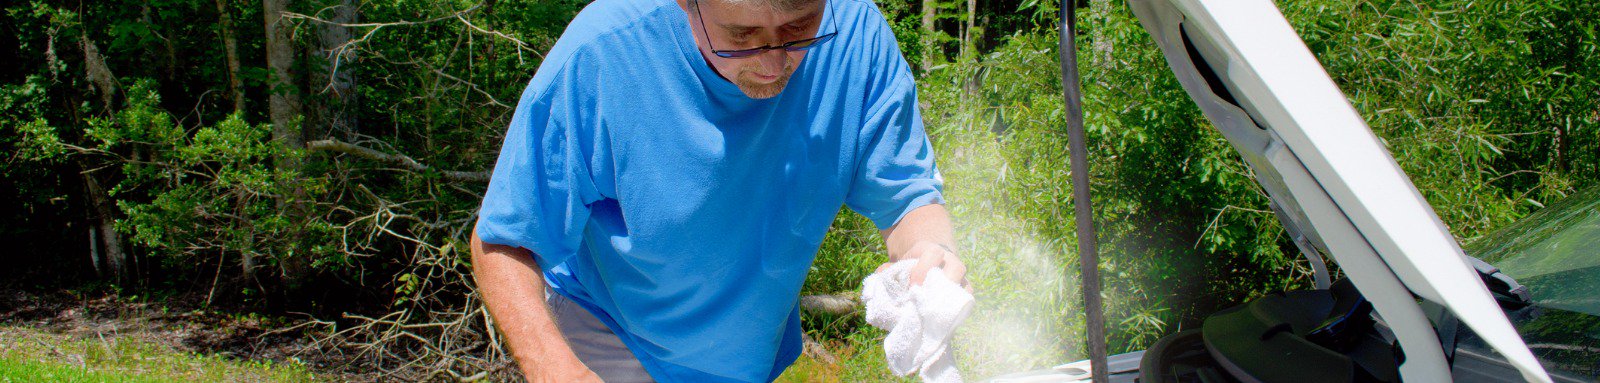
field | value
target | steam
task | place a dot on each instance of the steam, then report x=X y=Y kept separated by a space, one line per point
x=1027 y=315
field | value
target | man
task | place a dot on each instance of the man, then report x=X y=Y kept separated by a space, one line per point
x=669 y=175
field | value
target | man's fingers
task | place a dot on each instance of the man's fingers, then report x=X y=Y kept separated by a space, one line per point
x=930 y=256
x=957 y=271
x=954 y=269
x=919 y=272
x=927 y=260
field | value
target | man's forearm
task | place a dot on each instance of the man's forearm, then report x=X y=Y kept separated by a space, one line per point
x=928 y=224
x=513 y=290
x=924 y=234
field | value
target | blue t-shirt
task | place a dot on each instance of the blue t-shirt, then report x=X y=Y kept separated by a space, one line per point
x=684 y=214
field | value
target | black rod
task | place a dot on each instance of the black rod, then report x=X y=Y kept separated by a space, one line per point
x=1088 y=256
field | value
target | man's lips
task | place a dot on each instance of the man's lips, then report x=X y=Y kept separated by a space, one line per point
x=763 y=78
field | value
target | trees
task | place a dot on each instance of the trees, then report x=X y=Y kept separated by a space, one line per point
x=144 y=123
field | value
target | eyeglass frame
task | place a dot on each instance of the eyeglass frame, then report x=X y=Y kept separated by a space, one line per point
x=792 y=46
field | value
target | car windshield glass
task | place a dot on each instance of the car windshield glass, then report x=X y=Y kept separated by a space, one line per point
x=1554 y=252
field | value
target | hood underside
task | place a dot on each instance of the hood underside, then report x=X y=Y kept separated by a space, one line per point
x=1332 y=184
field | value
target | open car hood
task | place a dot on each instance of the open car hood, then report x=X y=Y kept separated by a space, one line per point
x=1334 y=187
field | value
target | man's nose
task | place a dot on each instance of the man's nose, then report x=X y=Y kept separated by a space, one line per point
x=772 y=61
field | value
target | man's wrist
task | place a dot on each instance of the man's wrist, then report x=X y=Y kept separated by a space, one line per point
x=554 y=369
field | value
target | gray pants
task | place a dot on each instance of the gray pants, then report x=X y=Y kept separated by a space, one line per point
x=595 y=344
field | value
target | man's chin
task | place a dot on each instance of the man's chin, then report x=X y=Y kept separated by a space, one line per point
x=762 y=91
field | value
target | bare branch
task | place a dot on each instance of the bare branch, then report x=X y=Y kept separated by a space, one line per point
x=404 y=161
x=292 y=15
x=337 y=54
x=472 y=85
x=521 y=46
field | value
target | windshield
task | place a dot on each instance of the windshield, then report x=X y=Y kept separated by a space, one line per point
x=1555 y=253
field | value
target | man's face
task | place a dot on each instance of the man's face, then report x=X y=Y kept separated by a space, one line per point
x=751 y=24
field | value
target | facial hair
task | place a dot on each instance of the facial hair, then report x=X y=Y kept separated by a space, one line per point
x=764 y=91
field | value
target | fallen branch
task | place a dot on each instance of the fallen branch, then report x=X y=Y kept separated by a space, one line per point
x=832 y=304
x=817 y=350
x=395 y=159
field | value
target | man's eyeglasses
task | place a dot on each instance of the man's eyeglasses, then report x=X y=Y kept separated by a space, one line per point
x=792 y=46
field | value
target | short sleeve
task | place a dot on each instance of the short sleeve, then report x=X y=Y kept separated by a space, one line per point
x=895 y=173
x=539 y=194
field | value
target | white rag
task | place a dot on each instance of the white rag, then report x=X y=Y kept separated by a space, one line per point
x=920 y=319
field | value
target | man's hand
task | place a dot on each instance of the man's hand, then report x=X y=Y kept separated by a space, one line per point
x=512 y=289
x=930 y=255
x=924 y=234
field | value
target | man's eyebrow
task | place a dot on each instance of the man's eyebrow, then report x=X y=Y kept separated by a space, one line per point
x=738 y=29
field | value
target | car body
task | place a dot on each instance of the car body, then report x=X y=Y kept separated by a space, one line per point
x=1413 y=306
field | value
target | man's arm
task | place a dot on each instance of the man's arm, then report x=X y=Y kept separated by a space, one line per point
x=508 y=277
x=924 y=234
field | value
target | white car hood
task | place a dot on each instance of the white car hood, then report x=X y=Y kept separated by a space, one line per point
x=1332 y=183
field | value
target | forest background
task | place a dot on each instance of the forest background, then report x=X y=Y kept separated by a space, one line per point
x=318 y=163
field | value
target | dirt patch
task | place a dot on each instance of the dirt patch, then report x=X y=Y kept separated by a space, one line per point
x=175 y=323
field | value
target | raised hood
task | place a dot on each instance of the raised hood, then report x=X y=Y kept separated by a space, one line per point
x=1335 y=188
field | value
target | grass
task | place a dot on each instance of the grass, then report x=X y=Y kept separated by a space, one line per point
x=28 y=355
x=860 y=359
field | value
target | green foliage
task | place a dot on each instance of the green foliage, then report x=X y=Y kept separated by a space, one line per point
x=20 y=104
x=851 y=250
x=849 y=253
x=906 y=23
x=1489 y=107
x=201 y=188
x=215 y=191
x=1184 y=228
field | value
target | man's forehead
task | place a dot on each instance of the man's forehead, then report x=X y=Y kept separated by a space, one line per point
x=737 y=15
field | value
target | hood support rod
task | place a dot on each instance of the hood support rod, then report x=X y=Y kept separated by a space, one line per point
x=1088 y=255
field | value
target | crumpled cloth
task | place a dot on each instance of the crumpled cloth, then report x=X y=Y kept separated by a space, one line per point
x=920 y=319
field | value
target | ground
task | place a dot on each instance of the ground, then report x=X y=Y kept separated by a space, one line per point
x=66 y=337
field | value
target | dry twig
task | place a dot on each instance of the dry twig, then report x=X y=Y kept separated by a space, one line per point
x=407 y=162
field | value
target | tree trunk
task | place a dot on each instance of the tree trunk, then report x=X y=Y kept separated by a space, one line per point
x=104 y=208
x=1099 y=10
x=972 y=22
x=337 y=88
x=285 y=95
x=284 y=104
x=930 y=10
x=231 y=46
x=169 y=55
x=98 y=73
x=94 y=251
x=1560 y=148
x=116 y=260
